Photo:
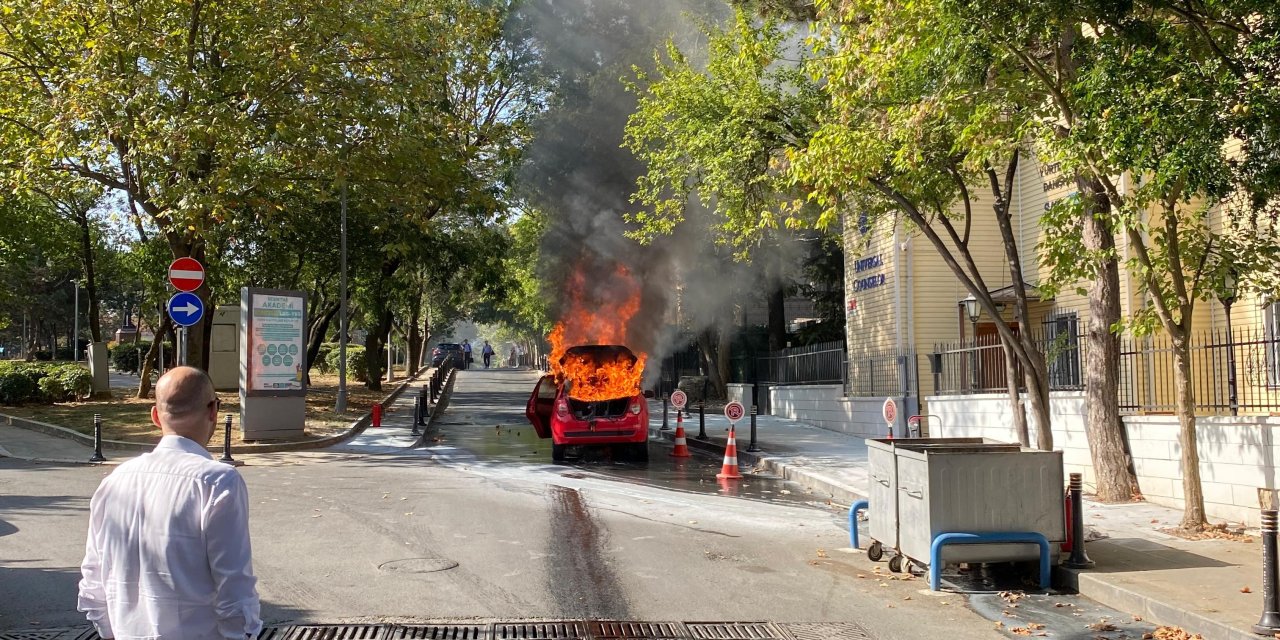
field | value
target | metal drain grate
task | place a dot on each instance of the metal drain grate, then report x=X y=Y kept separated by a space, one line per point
x=827 y=631
x=611 y=630
x=540 y=631
x=440 y=632
x=735 y=631
x=336 y=632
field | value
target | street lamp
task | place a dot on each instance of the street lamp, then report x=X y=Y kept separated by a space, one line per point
x=341 y=405
x=972 y=309
x=1228 y=297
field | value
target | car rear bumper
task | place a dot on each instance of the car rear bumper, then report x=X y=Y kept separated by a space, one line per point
x=605 y=432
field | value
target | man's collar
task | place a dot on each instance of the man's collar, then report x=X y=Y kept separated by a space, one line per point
x=185 y=445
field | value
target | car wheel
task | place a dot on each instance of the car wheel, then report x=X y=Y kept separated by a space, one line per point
x=557 y=452
x=640 y=452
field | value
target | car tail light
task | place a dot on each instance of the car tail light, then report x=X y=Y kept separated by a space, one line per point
x=562 y=409
x=635 y=406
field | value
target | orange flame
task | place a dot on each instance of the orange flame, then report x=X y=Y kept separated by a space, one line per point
x=590 y=322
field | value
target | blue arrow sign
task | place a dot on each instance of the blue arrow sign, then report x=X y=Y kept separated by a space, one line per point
x=185 y=308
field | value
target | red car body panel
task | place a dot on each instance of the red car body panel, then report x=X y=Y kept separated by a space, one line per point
x=550 y=411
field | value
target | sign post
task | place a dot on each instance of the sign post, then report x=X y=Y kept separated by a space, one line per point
x=273 y=354
x=186 y=308
x=890 y=413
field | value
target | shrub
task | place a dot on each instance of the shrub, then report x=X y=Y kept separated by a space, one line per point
x=43 y=356
x=124 y=356
x=322 y=363
x=356 y=369
x=38 y=382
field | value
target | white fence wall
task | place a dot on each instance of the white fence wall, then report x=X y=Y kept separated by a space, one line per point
x=826 y=406
x=1237 y=455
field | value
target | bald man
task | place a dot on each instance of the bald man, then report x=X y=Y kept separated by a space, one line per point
x=168 y=552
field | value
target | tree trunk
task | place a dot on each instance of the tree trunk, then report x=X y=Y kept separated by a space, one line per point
x=153 y=355
x=1037 y=380
x=375 y=357
x=1015 y=395
x=415 y=336
x=319 y=331
x=1115 y=478
x=90 y=279
x=1193 y=518
x=710 y=365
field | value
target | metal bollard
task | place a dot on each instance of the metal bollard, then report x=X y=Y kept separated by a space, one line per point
x=665 y=426
x=1269 y=624
x=377 y=415
x=97 y=440
x=1078 y=559
x=702 y=419
x=226 y=442
x=753 y=447
x=417 y=415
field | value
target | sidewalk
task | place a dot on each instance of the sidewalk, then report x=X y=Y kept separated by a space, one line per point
x=1167 y=580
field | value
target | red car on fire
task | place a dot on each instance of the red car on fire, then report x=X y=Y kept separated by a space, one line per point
x=593 y=398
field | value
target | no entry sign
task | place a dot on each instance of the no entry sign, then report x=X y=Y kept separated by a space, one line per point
x=679 y=399
x=186 y=274
x=734 y=411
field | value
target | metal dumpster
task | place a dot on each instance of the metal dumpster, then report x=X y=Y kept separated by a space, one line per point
x=883 y=493
x=924 y=487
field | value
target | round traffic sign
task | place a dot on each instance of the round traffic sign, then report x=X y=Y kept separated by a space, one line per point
x=734 y=411
x=186 y=274
x=890 y=410
x=185 y=308
x=679 y=399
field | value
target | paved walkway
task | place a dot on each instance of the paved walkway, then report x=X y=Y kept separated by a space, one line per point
x=1211 y=587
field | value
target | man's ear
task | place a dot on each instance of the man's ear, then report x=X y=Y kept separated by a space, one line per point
x=155 y=415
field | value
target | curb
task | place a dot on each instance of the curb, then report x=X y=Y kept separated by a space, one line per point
x=142 y=447
x=1091 y=586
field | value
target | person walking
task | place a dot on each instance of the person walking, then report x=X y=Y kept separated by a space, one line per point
x=168 y=555
x=487 y=353
x=511 y=359
x=466 y=354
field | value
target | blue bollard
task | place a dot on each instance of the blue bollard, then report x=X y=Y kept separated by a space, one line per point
x=861 y=505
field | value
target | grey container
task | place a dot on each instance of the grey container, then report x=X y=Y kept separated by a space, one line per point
x=883 y=462
x=980 y=490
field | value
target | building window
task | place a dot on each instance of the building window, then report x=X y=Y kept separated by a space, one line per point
x=1062 y=351
x=1271 y=327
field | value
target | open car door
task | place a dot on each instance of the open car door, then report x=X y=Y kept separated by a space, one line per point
x=541 y=403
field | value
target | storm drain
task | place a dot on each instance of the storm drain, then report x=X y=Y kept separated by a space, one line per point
x=735 y=631
x=557 y=630
x=440 y=632
x=540 y=631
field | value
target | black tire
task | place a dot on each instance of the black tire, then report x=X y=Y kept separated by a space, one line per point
x=875 y=552
x=640 y=452
x=557 y=452
x=895 y=563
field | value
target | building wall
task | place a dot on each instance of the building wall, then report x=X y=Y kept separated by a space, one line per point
x=1237 y=455
x=827 y=407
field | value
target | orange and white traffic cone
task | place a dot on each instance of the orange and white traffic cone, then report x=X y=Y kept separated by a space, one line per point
x=682 y=446
x=730 y=469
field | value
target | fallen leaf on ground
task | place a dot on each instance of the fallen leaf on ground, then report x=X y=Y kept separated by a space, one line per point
x=907 y=598
x=1174 y=633
x=1101 y=625
x=1246 y=590
x=822 y=553
x=1035 y=626
x=1020 y=631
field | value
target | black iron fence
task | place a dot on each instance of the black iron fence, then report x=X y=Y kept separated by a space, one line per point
x=883 y=373
x=1231 y=373
x=1236 y=373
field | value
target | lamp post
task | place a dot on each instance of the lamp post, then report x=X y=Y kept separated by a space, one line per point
x=972 y=309
x=75 y=331
x=1227 y=298
x=340 y=406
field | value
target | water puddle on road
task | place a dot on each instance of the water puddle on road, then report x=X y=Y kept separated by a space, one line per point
x=519 y=443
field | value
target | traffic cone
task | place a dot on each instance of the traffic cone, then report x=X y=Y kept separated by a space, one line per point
x=730 y=469
x=682 y=446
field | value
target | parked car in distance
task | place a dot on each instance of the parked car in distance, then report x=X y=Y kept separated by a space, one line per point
x=569 y=422
x=449 y=350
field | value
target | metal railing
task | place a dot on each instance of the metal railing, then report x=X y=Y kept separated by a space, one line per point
x=1231 y=373
x=820 y=363
x=883 y=373
x=979 y=365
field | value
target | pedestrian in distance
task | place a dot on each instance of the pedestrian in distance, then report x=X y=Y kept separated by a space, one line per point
x=487 y=353
x=511 y=360
x=167 y=555
x=466 y=354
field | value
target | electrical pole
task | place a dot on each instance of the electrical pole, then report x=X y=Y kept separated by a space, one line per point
x=341 y=405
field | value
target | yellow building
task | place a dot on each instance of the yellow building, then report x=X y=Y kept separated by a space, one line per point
x=903 y=303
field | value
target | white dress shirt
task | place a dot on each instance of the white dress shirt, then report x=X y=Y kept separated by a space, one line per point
x=168 y=552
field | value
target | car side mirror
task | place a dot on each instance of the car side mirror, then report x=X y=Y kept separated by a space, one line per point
x=648 y=393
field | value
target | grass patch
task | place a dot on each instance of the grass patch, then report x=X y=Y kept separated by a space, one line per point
x=127 y=418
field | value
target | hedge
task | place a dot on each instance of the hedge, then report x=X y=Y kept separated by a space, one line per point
x=356 y=369
x=23 y=382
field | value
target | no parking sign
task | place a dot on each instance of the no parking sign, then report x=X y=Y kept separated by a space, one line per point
x=734 y=411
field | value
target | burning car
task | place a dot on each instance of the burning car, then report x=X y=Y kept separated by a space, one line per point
x=593 y=397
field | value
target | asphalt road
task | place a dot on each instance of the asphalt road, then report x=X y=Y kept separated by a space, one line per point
x=480 y=525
